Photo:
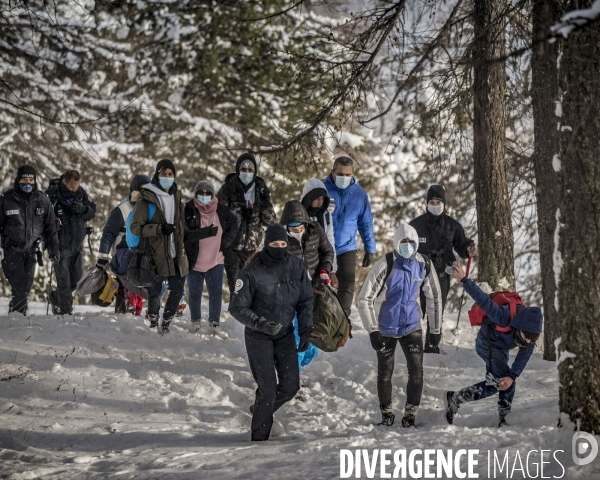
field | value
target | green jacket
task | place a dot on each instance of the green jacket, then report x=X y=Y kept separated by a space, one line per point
x=150 y=233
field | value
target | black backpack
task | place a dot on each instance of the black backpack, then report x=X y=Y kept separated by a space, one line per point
x=141 y=270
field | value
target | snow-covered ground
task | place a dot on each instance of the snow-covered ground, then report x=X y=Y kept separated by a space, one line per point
x=101 y=396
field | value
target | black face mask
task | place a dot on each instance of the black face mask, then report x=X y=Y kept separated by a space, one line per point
x=272 y=255
x=312 y=211
x=64 y=191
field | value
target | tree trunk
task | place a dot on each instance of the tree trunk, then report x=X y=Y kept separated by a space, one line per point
x=496 y=242
x=544 y=94
x=579 y=240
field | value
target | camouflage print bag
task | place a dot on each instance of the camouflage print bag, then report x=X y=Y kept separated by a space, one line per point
x=332 y=327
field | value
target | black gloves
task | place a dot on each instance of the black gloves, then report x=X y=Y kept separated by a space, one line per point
x=304 y=341
x=206 y=232
x=247 y=213
x=368 y=259
x=376 y=340
x=78 y=208
x=434 y=341
x=54 y=257
x=167 y=229
x=102 y=262
x=266 y=326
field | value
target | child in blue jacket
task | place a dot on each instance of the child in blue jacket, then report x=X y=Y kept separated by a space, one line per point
x=525 y=329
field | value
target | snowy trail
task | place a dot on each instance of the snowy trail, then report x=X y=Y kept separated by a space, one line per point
x=102 y=397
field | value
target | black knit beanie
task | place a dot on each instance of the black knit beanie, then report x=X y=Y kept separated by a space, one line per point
x=160 y=166
x=436 y=192
x=26 y=171
x=275 y=232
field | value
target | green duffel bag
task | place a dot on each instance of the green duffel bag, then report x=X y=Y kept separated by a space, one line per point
x=331 y=325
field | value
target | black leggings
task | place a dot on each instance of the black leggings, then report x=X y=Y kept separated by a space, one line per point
x=412 y=345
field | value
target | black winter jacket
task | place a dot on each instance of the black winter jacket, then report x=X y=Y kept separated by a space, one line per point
x=230 y=223
x=72 y=229
x=25 y=219
x=274 y=292
x=115 y=228
x=315 y=250
x=260 y=215
x=438 y=235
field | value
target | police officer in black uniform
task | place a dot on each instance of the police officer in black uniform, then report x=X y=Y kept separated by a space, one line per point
x=72 y=208
x=27 y=224
x=439 y=234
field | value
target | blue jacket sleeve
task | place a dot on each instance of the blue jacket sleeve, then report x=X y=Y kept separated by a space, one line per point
x=241 y=300
x=365 y=227
x=497 y=314
x=521 y=360
x=304 y=307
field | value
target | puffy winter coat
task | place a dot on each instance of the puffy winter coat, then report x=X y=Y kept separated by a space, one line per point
x=72 y=225
x=230 y=223
x=315 y=250
x=392 y=306
x=314 y=189
x=438 y=235
x=351 y=213
x=253 y=218
x=159 y=244
x=274 y=292
x=26 y=219
x=527 y=319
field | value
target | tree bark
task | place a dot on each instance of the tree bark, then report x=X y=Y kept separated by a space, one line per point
x=579 y=237
x=544 y=95
x=496 y=242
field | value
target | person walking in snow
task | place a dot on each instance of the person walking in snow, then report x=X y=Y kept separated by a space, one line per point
x=493 y=346
x=315 y=200
x=308 y=242
x=164 y=233
x=351 y=214
x=211 y=228
x=270 y=290
x=388 y=305
x=26 y=220
x=73 y=208
x=440 y=234
x=113 y=234
x=248 y=196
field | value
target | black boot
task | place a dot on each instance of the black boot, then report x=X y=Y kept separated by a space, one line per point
x=164 y=328
x=410 y=411
x=451 y=406
x=387 y=417
x=153 y=321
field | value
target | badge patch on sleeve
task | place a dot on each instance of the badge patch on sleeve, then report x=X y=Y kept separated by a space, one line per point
x=238 y=285
x=12 y=212
x=422 y=239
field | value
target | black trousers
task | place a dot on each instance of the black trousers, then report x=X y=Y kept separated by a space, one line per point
x=68 y=272
x=412 y=346
x=176 y=286
x=274 y=365
x=346 y=274
x=444 y=281
x=121 y=298
x=18 y=269
x=234 y=262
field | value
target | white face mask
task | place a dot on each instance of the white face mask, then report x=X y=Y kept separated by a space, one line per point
x=436 y=210
x=297 y=236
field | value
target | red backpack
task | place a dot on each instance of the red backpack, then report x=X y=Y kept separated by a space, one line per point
x=513 y=299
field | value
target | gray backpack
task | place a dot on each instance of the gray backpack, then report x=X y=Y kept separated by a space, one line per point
x=93 y=280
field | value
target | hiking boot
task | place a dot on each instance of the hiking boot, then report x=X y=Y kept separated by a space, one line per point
x=217 y=332
x=502 y=423
x=451 y=407
x=180 y=309
x=196 y=327
x=410 y=411
x=387 y=419
x=153 y=320
x=164 y=328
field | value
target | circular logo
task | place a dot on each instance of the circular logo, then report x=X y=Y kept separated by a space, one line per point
x=238 y=285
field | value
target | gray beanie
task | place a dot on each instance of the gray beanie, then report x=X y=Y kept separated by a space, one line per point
x=205 y=185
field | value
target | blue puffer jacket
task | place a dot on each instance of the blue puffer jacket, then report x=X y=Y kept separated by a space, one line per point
x=527 y=319
x=352 y=213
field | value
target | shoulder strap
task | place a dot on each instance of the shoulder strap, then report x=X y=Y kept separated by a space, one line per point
x=389 y=259
x=427 y=265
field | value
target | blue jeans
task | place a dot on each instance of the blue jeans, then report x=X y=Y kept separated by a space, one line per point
x=214 y=284
x=499 y=369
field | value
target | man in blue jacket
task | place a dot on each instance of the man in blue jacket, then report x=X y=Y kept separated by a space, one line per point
x=493 y=347
x=351 y=213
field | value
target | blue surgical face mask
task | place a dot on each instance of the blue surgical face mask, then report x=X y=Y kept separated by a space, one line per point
x=342 y=182
x=26 y=187
x=166 y=183
x=246 y=177
x=204 y=200
x=407 y=250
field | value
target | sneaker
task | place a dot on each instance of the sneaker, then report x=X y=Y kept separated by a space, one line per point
x=451 y=407
x=196 y=327
x=217 y=332
x=180 y=309
x=387 y=419
x=153 y=320
x=410 y=411
x=164 y=328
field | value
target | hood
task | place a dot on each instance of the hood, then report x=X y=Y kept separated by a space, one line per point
x=529 y=320
x=405 y=230
x=138 y=181
x=294 y=212
x=313 y=189
x=241 y=158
